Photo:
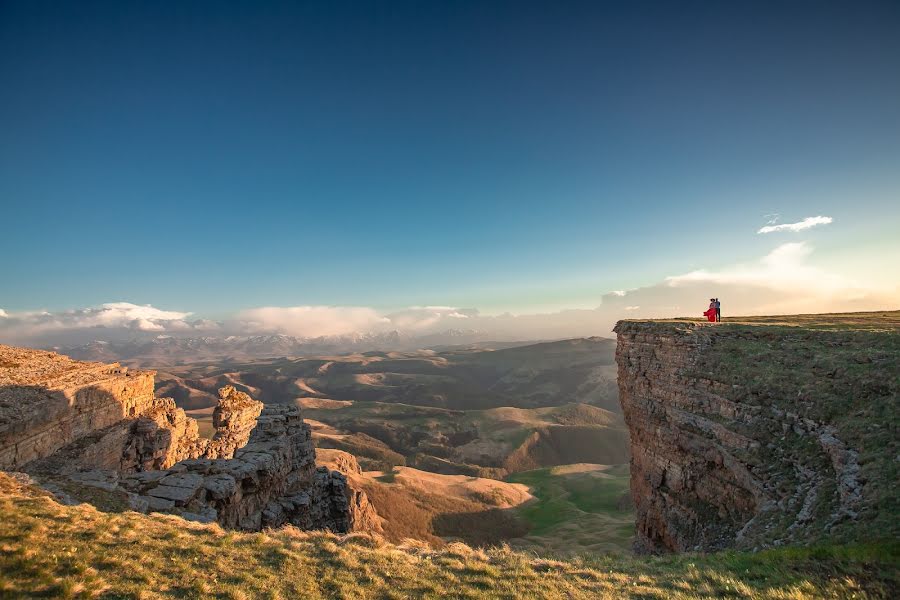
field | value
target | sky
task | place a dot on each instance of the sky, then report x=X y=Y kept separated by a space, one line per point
x=325 y=167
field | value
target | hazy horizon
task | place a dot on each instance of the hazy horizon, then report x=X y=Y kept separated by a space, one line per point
x=524 y=169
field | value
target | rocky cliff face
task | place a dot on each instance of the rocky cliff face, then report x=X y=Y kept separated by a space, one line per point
x=753 y=436
x=48 y=401
x=67 y=422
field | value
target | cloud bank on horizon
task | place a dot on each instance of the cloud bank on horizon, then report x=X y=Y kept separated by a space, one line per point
x=781 y=282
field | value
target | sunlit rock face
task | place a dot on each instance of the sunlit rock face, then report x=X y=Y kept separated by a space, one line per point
x=100 y=426
x=269 y=482
x=750 y=436
x=48 y=401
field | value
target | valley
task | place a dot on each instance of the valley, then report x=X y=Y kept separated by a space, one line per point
x=366 y=493
x=413 y=425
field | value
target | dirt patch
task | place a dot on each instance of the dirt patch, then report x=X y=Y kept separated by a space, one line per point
x=322 y=403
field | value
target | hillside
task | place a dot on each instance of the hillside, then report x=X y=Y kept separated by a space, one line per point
x=96 y=432
x=545 y=374
x=172 y=350
x=435 y=508
x=52 y=550
x=487 y=443
x=464 y=411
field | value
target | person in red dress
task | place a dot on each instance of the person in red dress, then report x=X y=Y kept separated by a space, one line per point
x=710 y=314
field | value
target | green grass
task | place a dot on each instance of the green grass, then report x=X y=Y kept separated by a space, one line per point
x=576 y=512
x=848 y=379
x=598 y=496
x=885 y=320
x=53 y=551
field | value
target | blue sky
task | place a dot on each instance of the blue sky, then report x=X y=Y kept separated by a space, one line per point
x=211 y=157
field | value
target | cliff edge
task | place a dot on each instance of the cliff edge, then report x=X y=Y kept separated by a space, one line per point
x=96 y=432
x=762 y=432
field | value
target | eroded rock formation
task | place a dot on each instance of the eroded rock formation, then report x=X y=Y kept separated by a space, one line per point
x=234 y=418
x=100 y=426
x=753 y=436
x=270 y=481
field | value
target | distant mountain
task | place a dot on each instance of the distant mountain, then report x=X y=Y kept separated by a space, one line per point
x=165 y=350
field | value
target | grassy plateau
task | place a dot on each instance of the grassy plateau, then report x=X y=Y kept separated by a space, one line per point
x=55 y=551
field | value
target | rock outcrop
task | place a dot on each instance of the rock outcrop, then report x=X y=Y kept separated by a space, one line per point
x=752 y=436
x=270 y=481
x=234 y=417
x=100 y=426
x=48 y=402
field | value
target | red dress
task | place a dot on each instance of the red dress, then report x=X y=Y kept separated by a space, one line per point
x=710 y=315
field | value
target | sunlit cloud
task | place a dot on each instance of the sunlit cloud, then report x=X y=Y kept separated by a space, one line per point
x=309 y=321
x=785 y=269
x=806 y=223
x=784 y=281
x=109 y=316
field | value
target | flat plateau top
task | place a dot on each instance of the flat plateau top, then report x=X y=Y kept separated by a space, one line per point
x=25 y=366
x=888 y=320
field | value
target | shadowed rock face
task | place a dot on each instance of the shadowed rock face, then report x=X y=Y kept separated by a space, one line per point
x=100 y=426
x=751 y=436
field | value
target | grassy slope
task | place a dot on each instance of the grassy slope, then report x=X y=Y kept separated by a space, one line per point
x=578 y=510
x=543 y=374
x=50 y=550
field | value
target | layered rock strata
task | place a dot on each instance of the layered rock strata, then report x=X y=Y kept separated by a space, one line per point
x=100 y=426
x=48 y=401
x=749 y=436
x=271 y=481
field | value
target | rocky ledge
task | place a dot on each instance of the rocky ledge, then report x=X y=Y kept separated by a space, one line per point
x=99 y=426
x=759 y=435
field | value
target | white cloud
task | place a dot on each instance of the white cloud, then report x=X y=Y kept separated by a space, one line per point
x=422 y=318
x=806 y=223
x=310 y=321
x=784 y=281
x=784 y=269
x=3 y=314
x=146 y=325
x=109 y=316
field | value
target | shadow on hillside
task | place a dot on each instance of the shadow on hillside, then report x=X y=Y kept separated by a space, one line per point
x=481 y=528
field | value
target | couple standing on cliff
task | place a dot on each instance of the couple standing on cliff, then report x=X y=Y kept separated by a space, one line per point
x=714 y=312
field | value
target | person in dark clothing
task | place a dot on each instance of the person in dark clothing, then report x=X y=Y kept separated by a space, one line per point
x=718 y=310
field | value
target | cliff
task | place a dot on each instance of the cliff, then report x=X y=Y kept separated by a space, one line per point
x=751 y=435
x=83 y=429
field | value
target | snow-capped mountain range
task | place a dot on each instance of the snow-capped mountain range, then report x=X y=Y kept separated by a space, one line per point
x=166 y=349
